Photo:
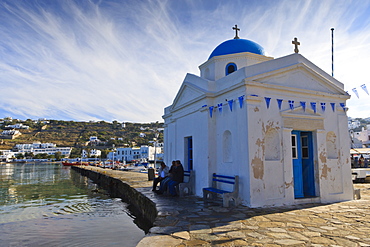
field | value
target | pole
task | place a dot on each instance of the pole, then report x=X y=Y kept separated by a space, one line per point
x=113 y=149
x=332 y=52
x=155 y=149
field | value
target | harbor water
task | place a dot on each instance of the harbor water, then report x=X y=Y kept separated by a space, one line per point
x=50 y=205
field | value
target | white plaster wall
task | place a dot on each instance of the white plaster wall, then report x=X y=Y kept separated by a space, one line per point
x=217 y=65
x=234 y=122
x=272 y=181
x=267 y=177
x=194 y=124
x=335 y=173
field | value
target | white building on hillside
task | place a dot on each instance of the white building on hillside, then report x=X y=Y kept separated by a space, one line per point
x=10 y=134
x=91 y=153
x=143 y=153
x=363 y=136
x=353 y=123
x=38 y=148
x=7 y=155
x=279 y=124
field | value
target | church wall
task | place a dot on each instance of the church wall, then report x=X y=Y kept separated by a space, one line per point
x=193 y=124
x=335 y=173
x=232 y=142
x=271 y=180
x=268 y=173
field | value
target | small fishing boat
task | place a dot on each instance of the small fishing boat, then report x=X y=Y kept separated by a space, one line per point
x=66 y=163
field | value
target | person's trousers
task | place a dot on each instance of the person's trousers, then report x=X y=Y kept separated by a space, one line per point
x=171 y=187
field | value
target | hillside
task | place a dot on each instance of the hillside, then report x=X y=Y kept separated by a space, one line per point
x=76 y=134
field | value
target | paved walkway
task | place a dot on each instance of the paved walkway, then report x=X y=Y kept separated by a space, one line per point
x=189 y=221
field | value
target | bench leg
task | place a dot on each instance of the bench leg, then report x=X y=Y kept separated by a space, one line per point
x=226 y=200
x=205 y=195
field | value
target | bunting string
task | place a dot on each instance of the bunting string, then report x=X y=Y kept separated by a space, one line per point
x=280 y=103
x=356 y=92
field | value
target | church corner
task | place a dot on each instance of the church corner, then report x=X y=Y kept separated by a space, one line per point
x=280 y=124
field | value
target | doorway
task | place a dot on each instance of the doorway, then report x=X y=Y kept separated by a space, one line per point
x=303 y=164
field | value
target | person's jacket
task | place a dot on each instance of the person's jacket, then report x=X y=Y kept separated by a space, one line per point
x=165 y=170
x=178 y=174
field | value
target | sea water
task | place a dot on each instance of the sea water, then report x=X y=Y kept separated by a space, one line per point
x=51 y=205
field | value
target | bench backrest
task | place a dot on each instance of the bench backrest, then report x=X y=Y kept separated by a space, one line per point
x=188 y=176
x=233 y=180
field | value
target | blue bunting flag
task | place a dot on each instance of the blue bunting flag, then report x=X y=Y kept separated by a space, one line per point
x=267 y=99
x=343 y=106
x=313 y=106
x=231 y=104
x=332 y=106
x=210 y=111
x=323 y=106
x=279 y=101
x=363 y=86
x=355 y=91
x=219 y=106
x=291 y=104
x=303 y=104
x=241 y=100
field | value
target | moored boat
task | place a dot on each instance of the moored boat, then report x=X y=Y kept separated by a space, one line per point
x=66 y=163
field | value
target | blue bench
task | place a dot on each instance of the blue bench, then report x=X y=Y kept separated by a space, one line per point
x=211 y=193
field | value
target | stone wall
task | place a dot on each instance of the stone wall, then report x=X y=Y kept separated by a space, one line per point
x=141 y=206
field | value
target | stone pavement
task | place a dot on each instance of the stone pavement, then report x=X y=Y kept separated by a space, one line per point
x=189 y=221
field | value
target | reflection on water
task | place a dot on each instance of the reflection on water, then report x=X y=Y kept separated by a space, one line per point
x=51 y=205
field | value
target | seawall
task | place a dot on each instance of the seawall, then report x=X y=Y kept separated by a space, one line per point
x=189 y=221
x=141 y=206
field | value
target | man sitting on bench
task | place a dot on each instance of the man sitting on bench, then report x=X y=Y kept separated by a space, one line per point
x=175 y=177
x=162 y=174
x=178 y=177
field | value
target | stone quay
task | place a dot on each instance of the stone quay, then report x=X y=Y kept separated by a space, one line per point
x=189 y=221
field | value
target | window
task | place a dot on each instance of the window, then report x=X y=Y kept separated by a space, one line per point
x=230 y=68
x=304 y=140
x=294 y=147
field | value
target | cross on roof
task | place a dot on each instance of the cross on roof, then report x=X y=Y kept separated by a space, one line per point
x=296 y=44
x=236 y=30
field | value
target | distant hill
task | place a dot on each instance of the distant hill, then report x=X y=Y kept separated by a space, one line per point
x=77 y=134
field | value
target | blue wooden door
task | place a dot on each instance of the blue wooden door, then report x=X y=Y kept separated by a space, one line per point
x=303 y=165
x=307 y=164
x=297 y=165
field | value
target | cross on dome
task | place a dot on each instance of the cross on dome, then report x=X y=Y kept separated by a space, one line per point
x=296 y=44
x=236 y=31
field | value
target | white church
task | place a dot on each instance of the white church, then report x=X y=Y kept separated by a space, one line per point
x=280 y=124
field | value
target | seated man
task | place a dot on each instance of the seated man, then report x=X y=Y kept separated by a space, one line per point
x=164 y=182
x=162 y=174
x=177 y=177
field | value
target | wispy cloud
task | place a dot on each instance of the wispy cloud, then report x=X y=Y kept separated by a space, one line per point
x=125 y=60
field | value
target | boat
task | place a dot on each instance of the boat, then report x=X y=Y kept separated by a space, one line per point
x=66 y=163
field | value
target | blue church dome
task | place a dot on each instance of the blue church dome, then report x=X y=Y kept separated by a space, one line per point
x=237 y=46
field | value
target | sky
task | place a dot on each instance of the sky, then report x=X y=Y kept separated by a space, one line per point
x=126 y=60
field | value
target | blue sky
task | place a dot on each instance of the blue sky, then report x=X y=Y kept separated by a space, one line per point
x=125 y=60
